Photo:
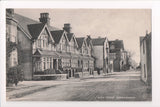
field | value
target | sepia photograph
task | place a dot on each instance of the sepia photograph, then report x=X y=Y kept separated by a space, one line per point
x=78 y=54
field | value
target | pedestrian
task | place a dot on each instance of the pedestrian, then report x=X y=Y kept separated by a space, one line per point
x=98 y=71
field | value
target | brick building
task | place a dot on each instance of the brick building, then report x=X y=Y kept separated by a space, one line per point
x=47 y=49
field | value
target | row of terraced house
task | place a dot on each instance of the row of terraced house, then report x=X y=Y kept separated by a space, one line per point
x=49 y=50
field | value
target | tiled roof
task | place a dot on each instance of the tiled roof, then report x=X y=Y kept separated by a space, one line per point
x=25 y=21
x=118 y=44
x=57 y=35
x=80 y=41
x=69 y=35
x=98 y=41
x=35 y=29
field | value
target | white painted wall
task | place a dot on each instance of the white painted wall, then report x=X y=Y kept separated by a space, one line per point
x=98 y=53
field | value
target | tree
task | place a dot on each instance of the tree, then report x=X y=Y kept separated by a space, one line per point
x=131 y=63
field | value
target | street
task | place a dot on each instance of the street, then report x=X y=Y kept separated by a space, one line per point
x=118 y=86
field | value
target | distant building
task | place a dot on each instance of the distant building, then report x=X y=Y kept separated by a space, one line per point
x=117 y=55
x=100 y=53
x=145 y=58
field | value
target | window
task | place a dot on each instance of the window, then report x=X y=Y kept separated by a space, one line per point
x=51 y=63
x=144 y=71
x=38 y=43
x=15 y=61
x=112 y=47
x=43 y=43
x=143 y=47
x=44 y=64
x=13 y=57
x=48 y=63
x=38 y=66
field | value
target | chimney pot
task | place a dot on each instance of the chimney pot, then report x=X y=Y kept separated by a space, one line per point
x=10 y=12
x=44 y=18
x=67 y=27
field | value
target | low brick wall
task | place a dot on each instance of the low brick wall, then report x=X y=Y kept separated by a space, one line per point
x=85 y=74
x=50 y=77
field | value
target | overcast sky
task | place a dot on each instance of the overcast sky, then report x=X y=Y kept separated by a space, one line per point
x=123 y=24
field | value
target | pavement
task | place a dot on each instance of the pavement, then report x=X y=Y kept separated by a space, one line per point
x=118 y=86
x=29 y=87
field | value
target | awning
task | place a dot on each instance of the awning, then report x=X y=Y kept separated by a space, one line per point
x=86 y=57
x=77 y=56
x=64 y=55
x=40 y=53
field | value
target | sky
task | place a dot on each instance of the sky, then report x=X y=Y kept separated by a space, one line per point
x=123 y=24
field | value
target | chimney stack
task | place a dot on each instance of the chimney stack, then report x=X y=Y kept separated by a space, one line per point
x=146 y=31
x=89 y=37
x=67 y=27
x=10 y=12
x=44 y=18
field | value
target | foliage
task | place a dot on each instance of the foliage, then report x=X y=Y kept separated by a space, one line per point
x=13 y=74
x=130 y=62
x=48 y=71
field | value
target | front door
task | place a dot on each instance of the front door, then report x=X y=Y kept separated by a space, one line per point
x=116 y=65
x=54 y=64
x=70 y=73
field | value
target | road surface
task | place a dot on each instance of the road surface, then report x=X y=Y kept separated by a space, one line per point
x=118 y=86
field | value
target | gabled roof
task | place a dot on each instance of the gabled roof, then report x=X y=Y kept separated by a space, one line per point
x=24 y=22
x=98 y=41
x=80 y=41
x=57 y=35
x=118 y=44
x=70 y=35
x=35 y=29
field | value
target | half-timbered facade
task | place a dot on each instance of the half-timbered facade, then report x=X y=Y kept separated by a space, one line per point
x=86 y=61
x=62 y=48
x=44 y=55
x=48 y=50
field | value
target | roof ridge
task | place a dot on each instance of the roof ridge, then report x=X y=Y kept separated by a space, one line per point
x=27 y=17
x=56 y=30
x=37 y=23
x=80 y=37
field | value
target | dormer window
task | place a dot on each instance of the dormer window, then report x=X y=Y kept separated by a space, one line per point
x=112 y=47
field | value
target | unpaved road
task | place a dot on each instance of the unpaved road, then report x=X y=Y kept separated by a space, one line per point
x=120 y=86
